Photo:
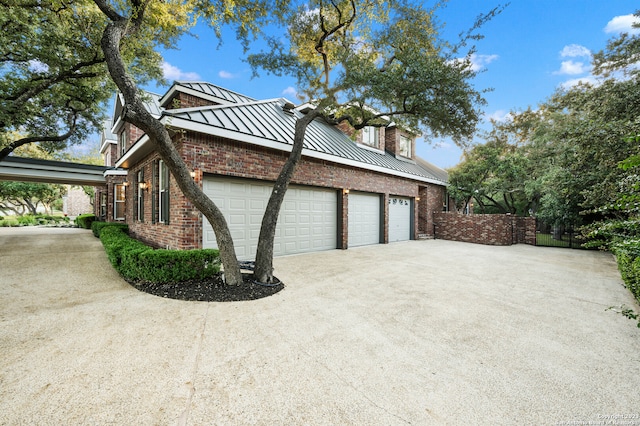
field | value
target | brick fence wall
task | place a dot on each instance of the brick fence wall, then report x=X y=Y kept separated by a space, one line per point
x=490 y=229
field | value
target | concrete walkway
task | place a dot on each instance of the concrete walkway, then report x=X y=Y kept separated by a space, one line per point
x=422 y=333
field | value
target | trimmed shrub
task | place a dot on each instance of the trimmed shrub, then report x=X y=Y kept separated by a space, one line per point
x=96 y=227
x=628 y=257
x=85 y=220
x=9 y=223
x=137 y=261
x=27 y=220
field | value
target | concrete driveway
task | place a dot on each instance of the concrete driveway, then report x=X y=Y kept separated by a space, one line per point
x=422 y=333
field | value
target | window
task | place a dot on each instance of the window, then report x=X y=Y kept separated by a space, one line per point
x=163 y=192
x=405 y=147
x=123 y=142
x=370 y=136
x=140 y=196
x=119 y=198
x=103 y=206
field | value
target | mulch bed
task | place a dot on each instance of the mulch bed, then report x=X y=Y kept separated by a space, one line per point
x=210 y=290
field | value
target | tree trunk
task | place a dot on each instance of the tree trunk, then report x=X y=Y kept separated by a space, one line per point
x=33 y=209
x=136 y=113
x=263 y=270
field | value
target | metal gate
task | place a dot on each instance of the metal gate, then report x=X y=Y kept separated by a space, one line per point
x=562 y=235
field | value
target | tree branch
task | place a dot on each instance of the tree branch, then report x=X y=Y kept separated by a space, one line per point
x=73 y=117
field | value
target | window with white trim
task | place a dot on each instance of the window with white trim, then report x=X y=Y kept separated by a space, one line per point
x=119 y=200
x=404 y=147
x=371 y=136
x=163 y=192
x=103 y=206
x=123 y=142
x=140 y=196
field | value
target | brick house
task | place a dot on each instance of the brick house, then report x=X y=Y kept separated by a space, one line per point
x=366 y=188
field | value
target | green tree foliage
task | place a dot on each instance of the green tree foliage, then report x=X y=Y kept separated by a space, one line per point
x=25 y=197
x=54 y=83
x=369 y=62
x=561 y=160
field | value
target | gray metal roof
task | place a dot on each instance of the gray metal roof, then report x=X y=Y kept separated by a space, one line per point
x=266 y=120
x=215 y=91
x=152 y=103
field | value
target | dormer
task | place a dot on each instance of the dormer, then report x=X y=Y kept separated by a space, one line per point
x=400 y=143
x=372 y=137
x=126 y=134
x=108 y=144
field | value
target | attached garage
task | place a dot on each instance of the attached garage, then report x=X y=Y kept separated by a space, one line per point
x=400 y=218
x=364 y=219
x=307 y=222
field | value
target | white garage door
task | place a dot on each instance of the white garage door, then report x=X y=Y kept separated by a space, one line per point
x=399 y=219
x=307 y=220
x=364 y=219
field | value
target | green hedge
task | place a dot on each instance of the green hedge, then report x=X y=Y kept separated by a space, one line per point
x=628 y=256
x=85 y=220
x=137 y=261
x=96 y=227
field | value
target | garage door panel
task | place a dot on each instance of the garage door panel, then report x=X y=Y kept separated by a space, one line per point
x=399 y=219
x=304 y=224
x=364 y=219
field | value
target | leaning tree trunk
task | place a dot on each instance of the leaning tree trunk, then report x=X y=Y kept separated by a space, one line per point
x=136 y=113
x=263 y=270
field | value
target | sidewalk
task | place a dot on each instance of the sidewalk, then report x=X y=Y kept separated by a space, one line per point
x=422 y=332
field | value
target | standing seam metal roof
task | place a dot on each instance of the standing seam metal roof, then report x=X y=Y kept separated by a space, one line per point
x=216 y=91
x=267 y=120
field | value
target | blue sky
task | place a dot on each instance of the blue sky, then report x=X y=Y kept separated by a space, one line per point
x=532 y=48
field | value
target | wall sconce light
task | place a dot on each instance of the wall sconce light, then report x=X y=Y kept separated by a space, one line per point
x=193 y=174
x=417 y=198
x=143 y=185
x=125 y=183
x=345 y=191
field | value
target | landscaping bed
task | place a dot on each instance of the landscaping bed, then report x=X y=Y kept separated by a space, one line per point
x=192 y=275
x=208 y=289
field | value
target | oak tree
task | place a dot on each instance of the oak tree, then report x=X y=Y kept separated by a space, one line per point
x=367 y=63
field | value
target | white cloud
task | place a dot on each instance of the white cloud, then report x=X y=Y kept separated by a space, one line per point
x=226 y=74
x=575 y=50
x=290 y=91
x=622 y=24
x=37 y=66
x=499 y=116
x=443 y=145
x=573 y=68
x=589 y=79
x=171 y=72
x=478 y=62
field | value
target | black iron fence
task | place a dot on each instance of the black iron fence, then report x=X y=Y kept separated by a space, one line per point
x=563 y=235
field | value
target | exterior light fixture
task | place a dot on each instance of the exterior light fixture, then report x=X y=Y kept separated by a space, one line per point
x=417 y=198
x=143 y=185
x=345 y=191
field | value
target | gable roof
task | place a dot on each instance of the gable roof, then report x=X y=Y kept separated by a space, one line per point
x=205 y=90
x=266 y=123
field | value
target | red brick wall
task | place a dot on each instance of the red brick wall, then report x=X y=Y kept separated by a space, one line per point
x=490 y=229
x=184 y=100
x=216 y=156
x=431 y=201
x=525 y=230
